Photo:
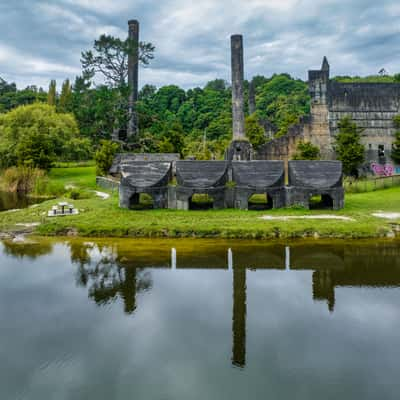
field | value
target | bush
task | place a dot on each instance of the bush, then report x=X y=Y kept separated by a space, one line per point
x=104 y=157
x=22 y=179
x=307 y=151
x=36 y=135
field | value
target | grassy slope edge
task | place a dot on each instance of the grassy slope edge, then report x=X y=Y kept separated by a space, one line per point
x=104 y=218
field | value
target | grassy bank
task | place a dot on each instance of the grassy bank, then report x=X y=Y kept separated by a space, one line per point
x=100 y=217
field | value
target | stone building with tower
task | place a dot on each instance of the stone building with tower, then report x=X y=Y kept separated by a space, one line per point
x=372 y=106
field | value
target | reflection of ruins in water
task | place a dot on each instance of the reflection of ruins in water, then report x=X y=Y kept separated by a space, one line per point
x=118 y=273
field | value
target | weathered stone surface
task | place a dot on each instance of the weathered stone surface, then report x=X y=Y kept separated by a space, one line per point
x=315 y=174
x=312 y=178
x=201 y=177
x=239 y=150
x=201 y=174
x=133 y=78
x=144 y=174
x=107 y=183
x=237 y=86
x=139 y=177
x=127 y=158
x=372 y=106
x=258 y=174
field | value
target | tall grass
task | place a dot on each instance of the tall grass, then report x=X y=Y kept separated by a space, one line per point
x=30 y=181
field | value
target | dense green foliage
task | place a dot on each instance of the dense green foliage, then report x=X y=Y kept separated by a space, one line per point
x=104 y=156
x=348 y=148
x=369 y=79
x=396 y=144
x=254 y=131
x=307 y=151
x=36 y=135
x=282 y=100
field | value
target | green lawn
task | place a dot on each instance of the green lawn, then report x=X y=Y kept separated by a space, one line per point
x=104 y=218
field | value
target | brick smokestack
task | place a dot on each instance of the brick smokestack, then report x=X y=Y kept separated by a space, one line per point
x=237 y=87
x=133 y=79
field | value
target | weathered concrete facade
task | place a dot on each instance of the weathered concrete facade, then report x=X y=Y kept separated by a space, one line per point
x=237 y=87
x=231 y=184
x=133 y=78
x=371 y=106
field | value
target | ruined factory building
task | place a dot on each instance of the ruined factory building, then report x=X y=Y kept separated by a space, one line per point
x=308 y=179
x=207 y=178
x=259 y=177
x=144 y=177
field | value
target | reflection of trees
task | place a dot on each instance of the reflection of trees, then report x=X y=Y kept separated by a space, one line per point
x=28 y=249
x=109 y=277
x=239 y=317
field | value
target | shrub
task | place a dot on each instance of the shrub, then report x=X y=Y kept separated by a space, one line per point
x=36 y=135
x=22 y=179
x=104 y=156
x=307 y=151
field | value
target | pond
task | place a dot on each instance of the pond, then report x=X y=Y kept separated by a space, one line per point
x=161 y=319
x=11 y=201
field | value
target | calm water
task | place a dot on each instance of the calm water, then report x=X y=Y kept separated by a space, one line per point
x=10 y=201
x=128 y=319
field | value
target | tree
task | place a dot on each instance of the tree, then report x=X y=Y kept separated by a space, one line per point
x=104 y=156
x=65 y=103
x=173 y=139
x=307 y=151
x=7 y=87
x=254 y=131
x=52 y=95
x=395 y=155
x=348 y=148
x=109 y=58
x=35 y=135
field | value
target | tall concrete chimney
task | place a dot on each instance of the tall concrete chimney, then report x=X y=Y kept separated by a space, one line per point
x=133 y=79
x=237 y=87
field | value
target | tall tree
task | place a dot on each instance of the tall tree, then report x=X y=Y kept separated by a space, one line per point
x=348 y=147
x=52 y=95
x=65 y=103
x=395 y=155
x=109 y=58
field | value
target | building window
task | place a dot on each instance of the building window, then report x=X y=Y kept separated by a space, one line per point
x=370 y=146
x=381 y=150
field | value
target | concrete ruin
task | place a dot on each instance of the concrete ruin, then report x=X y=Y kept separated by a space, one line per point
x=201 y=177
x=240 y=148
x=259 y=177
x=231 y=184
x=372 y=106
x=315 y=178
x=173 y=183
x=133 y=78
x=144 y=177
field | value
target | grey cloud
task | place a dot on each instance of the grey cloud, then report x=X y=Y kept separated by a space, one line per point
x=192 y=38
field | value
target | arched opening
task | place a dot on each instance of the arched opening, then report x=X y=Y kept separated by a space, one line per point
x=141 y=201
x=321 y=202
x=201 y=201
x=260 y=202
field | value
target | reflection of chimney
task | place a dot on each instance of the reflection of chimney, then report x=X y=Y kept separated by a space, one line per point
x=133 y=78
x=237 y=86
x=128 y=290
x=323 y=288
x=239 y=317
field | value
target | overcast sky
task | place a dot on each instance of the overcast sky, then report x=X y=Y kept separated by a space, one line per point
x=42 y=39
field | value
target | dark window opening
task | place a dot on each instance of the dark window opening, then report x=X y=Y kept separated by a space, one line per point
x=260 y=202
x=321 y=202
x=141 y=201
x=201 y=201
x=381 y=150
